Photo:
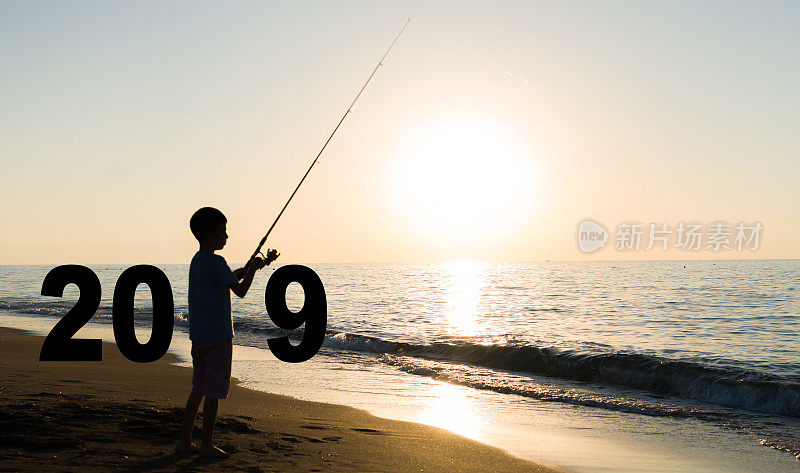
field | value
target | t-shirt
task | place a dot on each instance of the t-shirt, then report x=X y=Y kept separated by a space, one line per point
x=209 y=298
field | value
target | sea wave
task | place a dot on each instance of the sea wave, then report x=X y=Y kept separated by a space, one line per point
x=59 y=308
x=688 y=379
x=509 y=384
x=736 y=388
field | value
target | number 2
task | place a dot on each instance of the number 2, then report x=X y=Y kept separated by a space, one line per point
x=59 y=344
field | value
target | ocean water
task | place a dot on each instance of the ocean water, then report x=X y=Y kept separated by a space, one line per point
x=598 y=366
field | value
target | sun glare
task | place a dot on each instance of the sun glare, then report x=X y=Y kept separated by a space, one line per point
x=451 y=408
x=466 y=280
x=463 y=180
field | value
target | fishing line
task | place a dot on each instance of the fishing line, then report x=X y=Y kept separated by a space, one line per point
x=347 y=112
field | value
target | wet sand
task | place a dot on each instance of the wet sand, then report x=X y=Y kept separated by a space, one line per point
x=117 y=415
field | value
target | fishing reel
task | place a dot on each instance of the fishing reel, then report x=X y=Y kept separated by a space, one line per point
x=272 y=255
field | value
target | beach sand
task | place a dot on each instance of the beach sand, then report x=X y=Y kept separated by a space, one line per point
x=117 y=415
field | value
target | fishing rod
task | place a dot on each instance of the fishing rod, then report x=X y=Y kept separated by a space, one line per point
x=349 y=110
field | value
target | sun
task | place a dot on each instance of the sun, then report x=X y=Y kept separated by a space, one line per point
x=463 y=180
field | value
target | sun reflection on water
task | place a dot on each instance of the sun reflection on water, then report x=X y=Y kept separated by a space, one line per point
x=451 y=408
x=466 y=281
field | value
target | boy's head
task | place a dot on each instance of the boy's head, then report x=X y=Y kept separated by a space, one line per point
x=209 y=227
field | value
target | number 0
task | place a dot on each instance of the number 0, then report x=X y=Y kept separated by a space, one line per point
x=163 y=313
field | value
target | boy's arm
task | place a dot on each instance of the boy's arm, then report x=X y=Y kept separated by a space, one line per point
x=272 y=255
x=246 y=274
x=240 y=288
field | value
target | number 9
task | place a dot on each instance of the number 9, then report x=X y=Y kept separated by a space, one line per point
x=314 y=312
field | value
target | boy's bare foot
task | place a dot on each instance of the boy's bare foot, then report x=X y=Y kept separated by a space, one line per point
x=213 y=452
x=182 y=449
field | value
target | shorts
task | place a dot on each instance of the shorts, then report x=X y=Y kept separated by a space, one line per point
x=212 y=368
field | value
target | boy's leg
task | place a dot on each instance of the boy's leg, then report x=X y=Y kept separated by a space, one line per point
x=218 y=383
x=195 y=398
x=189 y=416
x=207 y=448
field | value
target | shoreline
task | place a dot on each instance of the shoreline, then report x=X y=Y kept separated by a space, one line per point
x=121 y=415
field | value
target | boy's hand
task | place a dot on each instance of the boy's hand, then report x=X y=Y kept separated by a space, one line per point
x=257 y=263
x=272 y=255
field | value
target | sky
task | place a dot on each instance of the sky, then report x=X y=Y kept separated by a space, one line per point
x=491 y=131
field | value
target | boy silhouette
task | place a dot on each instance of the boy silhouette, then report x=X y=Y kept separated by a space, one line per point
x=211 y=325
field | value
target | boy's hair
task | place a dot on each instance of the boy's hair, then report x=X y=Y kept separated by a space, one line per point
x=205 y=221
